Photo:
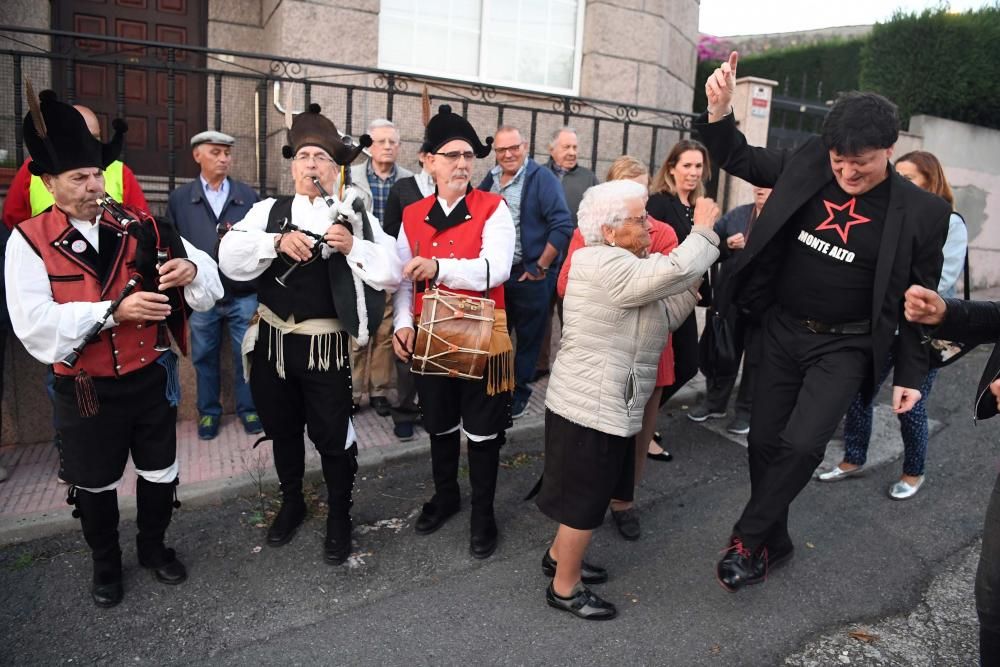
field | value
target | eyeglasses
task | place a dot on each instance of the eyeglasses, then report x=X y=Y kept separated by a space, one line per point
x=500 y=150
x=452 y=156
x=319 y=159
x=636 y=220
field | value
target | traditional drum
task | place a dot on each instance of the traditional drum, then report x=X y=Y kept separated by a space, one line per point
x=453 y=336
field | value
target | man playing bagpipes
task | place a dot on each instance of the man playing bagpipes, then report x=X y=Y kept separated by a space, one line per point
x=323 y=265
x=463 y=241
x=87 y=290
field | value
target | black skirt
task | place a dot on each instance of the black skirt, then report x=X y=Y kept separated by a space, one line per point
x=584 y=470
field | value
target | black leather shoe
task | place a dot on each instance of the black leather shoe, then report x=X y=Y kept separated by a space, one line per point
x=289 y=518
x=337 y=546
x=584 y=604
x=433 y=516
x=107 y=595
x=172 y=571
x=628 y=523
x=589 y=574
x=740 y=566
x=483 y=541
x=380 y=404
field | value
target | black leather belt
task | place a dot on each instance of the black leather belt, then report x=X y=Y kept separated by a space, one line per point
x=859 y=328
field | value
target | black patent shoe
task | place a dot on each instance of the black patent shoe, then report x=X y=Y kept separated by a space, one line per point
x=584 y=603
x=740 y=567
x=483 y=541
x=337 y=547
x=107 y=595
x=589 y=574
x=433 y=516
x=289 y=518
x=628 y=523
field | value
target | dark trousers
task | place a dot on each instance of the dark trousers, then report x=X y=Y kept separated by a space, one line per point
x=527 y=304
x=685 y=342
x=718 y=388
x=312 y=399
x=406 y=409
x=809 y=380
x=988 y=584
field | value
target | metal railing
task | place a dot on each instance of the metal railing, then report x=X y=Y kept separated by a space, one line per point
x=796 y=117
x=248 y=94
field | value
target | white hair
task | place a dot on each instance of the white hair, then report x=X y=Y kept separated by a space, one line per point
x=382 y=122
x=606 y=205
x=555 y=135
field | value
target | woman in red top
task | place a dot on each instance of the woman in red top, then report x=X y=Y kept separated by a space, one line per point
x=664 y=239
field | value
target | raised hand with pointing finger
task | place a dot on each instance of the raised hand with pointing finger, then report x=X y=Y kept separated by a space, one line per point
x=720 y=86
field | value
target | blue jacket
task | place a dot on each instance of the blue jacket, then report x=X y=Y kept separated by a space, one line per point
x=193 y=216
x=545 y=218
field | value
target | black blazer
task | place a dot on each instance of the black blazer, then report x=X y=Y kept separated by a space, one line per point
x=667 y=208
x=915 y=228
x=974 y=323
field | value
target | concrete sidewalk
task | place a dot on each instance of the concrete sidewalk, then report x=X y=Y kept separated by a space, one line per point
x=33 y=503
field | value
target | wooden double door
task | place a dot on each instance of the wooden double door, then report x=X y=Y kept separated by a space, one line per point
x=92 y=77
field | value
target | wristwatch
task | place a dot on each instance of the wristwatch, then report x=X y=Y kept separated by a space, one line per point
x=542 y=269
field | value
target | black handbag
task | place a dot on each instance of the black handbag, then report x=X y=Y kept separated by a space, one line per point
x=717 y=347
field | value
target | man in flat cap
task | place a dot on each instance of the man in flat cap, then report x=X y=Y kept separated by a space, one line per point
x=462 y=240
x=66 y=270
x=341 y=263
x=204 y=210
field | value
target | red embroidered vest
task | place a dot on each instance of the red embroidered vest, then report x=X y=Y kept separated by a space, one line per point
x=464 y=240
x=74 y=275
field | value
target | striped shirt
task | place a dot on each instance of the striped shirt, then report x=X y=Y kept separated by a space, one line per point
x=511 y=194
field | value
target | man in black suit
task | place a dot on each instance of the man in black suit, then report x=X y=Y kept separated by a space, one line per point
x=974 y=323
x=836 y=245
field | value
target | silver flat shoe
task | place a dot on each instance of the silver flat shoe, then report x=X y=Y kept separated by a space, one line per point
x=902 y=490
x=837 y=474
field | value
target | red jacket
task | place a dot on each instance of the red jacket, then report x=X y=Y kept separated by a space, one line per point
x=461 y=241
x=73 y=276
x=17 y=205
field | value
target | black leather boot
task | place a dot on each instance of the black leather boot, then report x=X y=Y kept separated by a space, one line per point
x=98 y=513
x=484 y=464
x=445 y=452
x=289 y=461
x=154 y=507
x=339 y=473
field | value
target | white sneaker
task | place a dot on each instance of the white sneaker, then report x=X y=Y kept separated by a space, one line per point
x=902 y=490
x=838 y=473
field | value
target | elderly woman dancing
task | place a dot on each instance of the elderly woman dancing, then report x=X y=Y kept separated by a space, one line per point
x=618 y=308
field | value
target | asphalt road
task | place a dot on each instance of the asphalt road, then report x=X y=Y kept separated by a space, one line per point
x=900 y=572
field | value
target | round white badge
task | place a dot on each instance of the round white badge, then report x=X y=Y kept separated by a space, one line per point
x=79 y=246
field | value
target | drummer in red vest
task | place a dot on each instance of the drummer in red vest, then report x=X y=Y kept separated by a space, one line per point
x=462 y=240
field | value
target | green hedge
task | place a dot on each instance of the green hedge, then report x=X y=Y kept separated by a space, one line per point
x=835 y=63
x=939 y=64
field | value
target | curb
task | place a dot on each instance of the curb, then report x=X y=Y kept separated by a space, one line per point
x=217 y=491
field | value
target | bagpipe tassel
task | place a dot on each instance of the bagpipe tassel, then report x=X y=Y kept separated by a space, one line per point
x=86 y=395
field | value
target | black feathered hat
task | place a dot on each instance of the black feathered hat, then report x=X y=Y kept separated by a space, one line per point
x=447 y=126
x=311 y=128
x=58 y=139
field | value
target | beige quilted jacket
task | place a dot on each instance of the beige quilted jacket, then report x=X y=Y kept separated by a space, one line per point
x=617 y=312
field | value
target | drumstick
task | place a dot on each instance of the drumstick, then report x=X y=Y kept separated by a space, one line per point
x=402 y=344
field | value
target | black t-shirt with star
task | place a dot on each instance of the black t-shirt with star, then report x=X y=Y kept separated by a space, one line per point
x=831 y=253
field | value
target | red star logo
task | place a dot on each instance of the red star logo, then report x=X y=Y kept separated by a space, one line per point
x=854 y=218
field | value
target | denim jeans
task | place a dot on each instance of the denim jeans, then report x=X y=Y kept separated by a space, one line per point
x=912 y=426
x=206 y=339
x=527 y=304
